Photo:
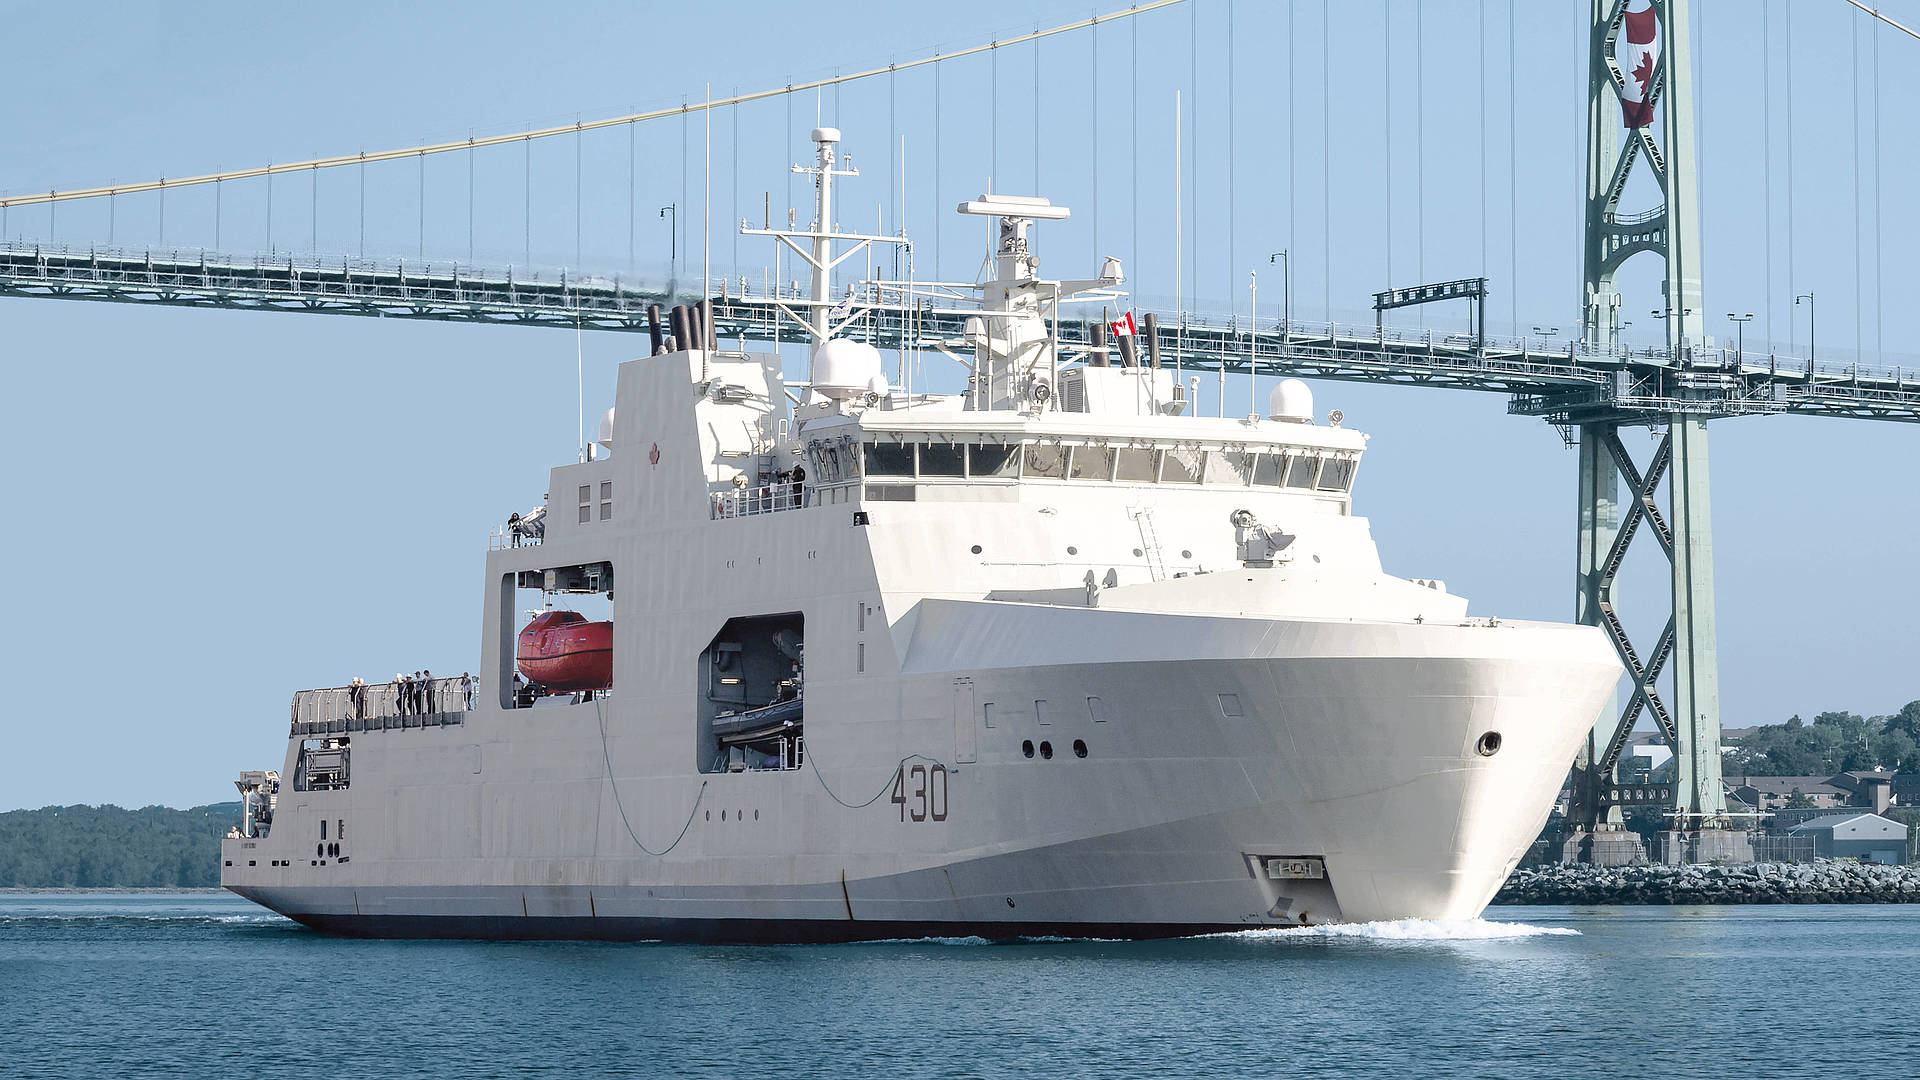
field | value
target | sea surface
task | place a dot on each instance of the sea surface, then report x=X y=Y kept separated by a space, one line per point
x=203 y=984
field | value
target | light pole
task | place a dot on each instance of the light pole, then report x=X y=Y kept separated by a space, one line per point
x=1286 y=294
x=1808 y=297
x=1545 y=332
x=671 y=212
x=1670 y=313
x=1740 y=336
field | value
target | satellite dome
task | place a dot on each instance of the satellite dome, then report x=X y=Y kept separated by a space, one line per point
x=843 y=368
x=1291 y=401
x=606 y=430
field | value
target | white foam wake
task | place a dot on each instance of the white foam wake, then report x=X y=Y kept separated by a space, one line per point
x=1415 y=930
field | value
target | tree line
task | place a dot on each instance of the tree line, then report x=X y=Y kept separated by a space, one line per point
x=1835 y=742
x=109 y=847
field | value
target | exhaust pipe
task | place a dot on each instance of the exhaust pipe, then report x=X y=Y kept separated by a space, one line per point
x=655 y=330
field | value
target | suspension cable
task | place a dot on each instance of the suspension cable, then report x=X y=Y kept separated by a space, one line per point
x=1875 y=12
x=472 y=143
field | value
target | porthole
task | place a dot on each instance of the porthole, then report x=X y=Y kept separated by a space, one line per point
x=976 y=549
x=756 y=815
x=709 y=815
x=319 y=850
x=1186 y=554
x=1079 y=748
x=1137 y=553
x=1026 y=747
x=1046 y=750
x=1489 y=744
x=1071 y=550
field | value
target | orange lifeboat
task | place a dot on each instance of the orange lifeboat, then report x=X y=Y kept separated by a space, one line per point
x=561 y=650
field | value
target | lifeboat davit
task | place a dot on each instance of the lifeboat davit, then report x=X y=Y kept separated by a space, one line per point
x=561 y=650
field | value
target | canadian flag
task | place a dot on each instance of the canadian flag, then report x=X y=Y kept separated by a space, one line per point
x=1123 y=326
x=1642 y=54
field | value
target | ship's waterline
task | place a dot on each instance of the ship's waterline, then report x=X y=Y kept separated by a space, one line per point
x=1047 y=657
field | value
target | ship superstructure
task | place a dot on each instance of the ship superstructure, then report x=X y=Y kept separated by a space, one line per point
x=1051 y=655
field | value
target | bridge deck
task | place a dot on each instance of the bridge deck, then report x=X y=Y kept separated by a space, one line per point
x=1570 y=385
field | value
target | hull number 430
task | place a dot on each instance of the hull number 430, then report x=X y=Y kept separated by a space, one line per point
x=921 y=792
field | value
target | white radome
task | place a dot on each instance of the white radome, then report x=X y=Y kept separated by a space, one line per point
x=843 y=368
x=1291 y=401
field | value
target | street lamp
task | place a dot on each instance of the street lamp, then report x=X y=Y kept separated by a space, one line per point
x=1545 y=332
x=1672 y=313
x=671 y=212
x=1286 y=294
x=1808 y=297
x=1740 y=336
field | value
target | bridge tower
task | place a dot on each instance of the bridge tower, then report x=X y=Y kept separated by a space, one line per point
x=1640 y=113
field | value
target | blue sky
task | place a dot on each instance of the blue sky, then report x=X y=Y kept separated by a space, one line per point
x=216 y=508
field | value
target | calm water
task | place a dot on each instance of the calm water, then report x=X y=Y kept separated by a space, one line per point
x=202 y=984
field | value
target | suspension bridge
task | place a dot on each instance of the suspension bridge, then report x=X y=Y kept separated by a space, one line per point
x=1642 y=130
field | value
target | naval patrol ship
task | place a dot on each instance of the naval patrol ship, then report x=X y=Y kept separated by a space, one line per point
x=1050 y=656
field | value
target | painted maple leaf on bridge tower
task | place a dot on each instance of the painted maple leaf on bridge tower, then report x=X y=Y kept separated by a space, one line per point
x=1636 y=97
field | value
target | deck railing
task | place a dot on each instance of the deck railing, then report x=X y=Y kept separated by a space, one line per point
x=380 y=706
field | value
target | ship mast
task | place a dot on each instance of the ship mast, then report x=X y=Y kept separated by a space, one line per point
x=818 y=252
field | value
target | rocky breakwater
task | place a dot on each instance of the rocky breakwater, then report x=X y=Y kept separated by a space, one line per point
x=1822 y=882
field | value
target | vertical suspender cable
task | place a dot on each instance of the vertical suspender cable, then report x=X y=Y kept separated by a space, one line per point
x=1793 y=286
x=895 y=167
x=1481 y=41
x=163 y=213
x=1386 y=115
x=1193 y=165
x=1093 y=163
x=1419 y=148
x=993 y=112
x=632 y=168
x=733 y=118
x=1036 y=122
x=1766 y=152
x=423 y=205
x=1879 y=182
x=1293 y=57
x=1179 y=262
x=686 y=163
x=216 y=215
x=313 y=235
x=1513 y=168
x=790 y=161
x=1133 y=157
x=1859 y=317
x=1326 y=152
x=939 y=214
x=1232 y=263
x=363 y=204
x=470 y=157
x=526 y=204
x=579 y=174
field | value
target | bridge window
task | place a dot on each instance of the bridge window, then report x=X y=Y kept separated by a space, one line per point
x=1137 y=466
x=943 y=459
x=1337 y=474
x=586 y=503
x=1229 y=467
x=1092 y=463
x=1046 y=462
x=1300 y=470
x=1267 y=469
x=1183 y=467
x=606 y=499
x=988 y=460
x=884 y=460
